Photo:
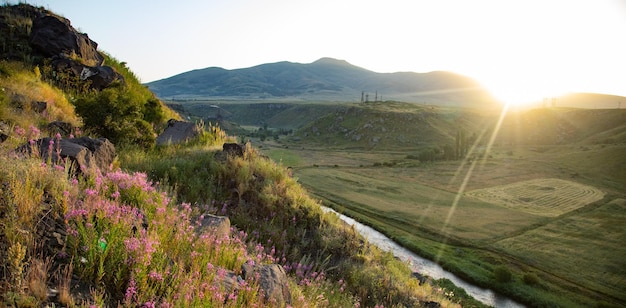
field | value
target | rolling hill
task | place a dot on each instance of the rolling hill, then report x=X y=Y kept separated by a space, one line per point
x=326 y=79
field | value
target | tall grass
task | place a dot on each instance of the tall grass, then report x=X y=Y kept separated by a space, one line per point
x=289 y=227
x=132 y=241
x=20 y=86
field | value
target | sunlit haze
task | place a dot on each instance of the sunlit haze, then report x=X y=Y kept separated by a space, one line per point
x=520 y=50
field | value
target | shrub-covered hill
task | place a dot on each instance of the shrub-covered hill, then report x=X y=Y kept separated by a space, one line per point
x=153 y=228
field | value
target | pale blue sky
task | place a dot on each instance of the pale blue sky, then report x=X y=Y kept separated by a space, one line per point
x=521 y=50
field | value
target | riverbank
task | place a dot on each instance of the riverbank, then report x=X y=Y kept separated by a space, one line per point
x=427 y=267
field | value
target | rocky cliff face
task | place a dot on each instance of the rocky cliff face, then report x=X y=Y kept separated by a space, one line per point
x=54 y=36
x=43 y=37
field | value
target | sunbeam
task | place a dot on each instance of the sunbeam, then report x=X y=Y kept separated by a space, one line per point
x=470 y=171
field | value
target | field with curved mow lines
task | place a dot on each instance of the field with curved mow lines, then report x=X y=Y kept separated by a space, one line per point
x=545 y=197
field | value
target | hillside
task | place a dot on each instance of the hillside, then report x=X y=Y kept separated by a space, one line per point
x=326 y=79
x=583 y=100
x=122 y=222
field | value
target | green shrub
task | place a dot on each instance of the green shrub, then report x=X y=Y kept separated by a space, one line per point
x=117 y=114
x=502 y=274
x=531 y=279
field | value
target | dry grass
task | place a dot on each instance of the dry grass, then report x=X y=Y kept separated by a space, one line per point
x=65 y=279
x=37 y=278
x=24 y=86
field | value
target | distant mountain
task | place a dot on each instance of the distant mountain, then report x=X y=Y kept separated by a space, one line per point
x=326 y=79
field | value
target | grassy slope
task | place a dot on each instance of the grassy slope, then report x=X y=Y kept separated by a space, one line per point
x=99 y=255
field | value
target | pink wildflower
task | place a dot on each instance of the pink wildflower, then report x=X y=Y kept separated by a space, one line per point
x=131 y=291
x=91 y=192
x=153 y=275
x=20 y=132
x=149 y=304
x=33 y=132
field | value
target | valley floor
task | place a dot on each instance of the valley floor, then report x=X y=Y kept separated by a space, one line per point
x=552 y=216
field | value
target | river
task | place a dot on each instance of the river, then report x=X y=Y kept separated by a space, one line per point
x=427 y=267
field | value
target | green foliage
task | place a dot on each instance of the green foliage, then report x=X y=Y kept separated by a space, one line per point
x=116 y=113
x=502 y=274
x=428 y=155
x=531 y=279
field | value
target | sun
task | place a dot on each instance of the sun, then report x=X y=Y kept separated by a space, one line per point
x=523 y=93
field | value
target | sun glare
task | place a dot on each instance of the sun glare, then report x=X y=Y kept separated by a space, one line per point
x=521 y=94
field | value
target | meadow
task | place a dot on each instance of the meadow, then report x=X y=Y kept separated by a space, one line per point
x=547 y=216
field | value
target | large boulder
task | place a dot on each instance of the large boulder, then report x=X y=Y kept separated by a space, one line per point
x=100 y=76
x=54 y=35
x=234 y=149
x=272 y=280
x=178 y=132
x=82 y=154
x=59 y=127
x=71 y=51
x=218 y=225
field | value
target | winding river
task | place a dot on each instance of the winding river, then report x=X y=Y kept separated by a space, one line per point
x=427 y=267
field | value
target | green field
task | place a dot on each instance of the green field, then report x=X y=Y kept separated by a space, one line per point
x=558 y=226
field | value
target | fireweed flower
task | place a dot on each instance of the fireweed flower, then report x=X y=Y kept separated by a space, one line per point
x=91 y=192
x=33 y=132
x=131 y=291
x=153 y=275
x=20 y=132
x=149 y=304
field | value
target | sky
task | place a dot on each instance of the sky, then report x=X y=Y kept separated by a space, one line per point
x=520 y=50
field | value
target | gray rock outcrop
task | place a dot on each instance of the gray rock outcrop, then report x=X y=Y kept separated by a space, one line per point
x=272 y=280
x=178 y=132
x=99 y=76
x=219 y=225
x=53 y=35
x=82 y=154
x=71 y=51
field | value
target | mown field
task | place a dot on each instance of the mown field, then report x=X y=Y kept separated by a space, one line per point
x=535 y=211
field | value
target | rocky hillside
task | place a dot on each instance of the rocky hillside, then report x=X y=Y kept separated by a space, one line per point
x=106 y=95
x=84 y=224
x=326 y=79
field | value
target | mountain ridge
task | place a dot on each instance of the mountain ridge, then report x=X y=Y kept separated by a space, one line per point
x=325 y=79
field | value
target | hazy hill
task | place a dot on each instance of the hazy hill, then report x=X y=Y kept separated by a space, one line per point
x=591 y=100
x=325 y=79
